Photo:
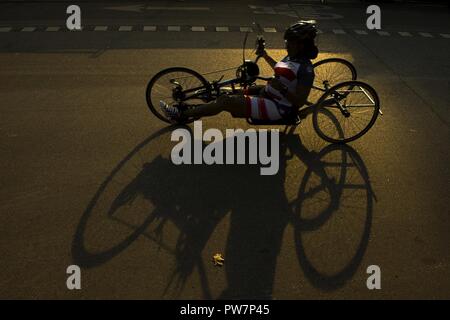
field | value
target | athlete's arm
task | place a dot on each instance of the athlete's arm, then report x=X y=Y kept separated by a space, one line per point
x=269 y=60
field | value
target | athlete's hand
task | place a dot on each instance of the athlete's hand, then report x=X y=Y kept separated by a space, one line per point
x=260 y=52
x=261 y=45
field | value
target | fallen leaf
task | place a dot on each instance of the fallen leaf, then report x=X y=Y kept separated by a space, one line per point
x=218 y=259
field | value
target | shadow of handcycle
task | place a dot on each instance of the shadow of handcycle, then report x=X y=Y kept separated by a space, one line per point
x=147 y=195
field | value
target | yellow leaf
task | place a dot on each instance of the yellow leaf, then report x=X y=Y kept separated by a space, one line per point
x=218 y=259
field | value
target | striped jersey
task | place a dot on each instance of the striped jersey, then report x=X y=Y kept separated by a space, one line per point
x=291 y=72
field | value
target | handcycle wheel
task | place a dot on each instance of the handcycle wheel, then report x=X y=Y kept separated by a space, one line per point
x=169 y=84
x=331 y=72
x=354 y=104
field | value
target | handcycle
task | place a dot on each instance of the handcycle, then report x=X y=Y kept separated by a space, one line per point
x=343 y=101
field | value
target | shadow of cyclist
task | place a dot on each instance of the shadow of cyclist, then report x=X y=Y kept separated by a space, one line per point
x=195 y=198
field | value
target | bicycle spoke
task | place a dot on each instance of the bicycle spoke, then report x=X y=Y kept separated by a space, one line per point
x=170 y=86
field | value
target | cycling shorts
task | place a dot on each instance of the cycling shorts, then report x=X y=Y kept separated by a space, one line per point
x=259 y=108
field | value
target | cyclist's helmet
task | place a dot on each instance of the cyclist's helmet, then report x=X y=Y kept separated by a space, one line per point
x=301 y=30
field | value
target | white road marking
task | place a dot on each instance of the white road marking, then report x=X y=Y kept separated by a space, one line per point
x=28 y=29
x=132 y=8
x=426 y=34
x=270 y=30
x=222 y=29
x=361 y=32
x=405 y=34
x=338 y=31
x=198 y=29
x=52 y=29
x=383 y=33
x=246 y=29
x=101 y=28
x=179 y=8
x=142 y=7
x=125 y=28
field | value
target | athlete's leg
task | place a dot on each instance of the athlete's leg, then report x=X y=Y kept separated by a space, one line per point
x=251 y=91
x=235 y=104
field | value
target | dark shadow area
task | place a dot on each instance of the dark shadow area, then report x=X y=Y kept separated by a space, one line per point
x=351 y=179
x=195 y=198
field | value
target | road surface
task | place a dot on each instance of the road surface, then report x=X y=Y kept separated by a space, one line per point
x=86 y=176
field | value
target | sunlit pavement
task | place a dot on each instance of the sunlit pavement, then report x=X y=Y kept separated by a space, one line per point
x=87 y=177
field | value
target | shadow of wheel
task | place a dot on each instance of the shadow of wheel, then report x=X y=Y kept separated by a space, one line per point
x=328 y=186
x=86 y=257
x=331 y=246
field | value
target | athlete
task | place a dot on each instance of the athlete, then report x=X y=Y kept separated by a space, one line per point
x=281 y=97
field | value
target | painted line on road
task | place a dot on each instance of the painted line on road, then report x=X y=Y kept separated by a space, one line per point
x=383 y=33
x=339 y=31
x=101 y=28
x=179 y=8
x=269 y=30
x=405 y=34
x=142 y=7
x=361 y=32
x=184 y=28
x=425 y=35
x=52 y=29
x=245 y=29
x=28 y=29
x=198 y=29
x=126 y=28
x=222 y=29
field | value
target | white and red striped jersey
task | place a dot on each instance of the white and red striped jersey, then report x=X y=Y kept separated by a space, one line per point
x=291 y=72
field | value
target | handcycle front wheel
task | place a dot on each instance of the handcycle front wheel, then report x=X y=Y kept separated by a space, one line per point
x=354 y=104
x=173 y=85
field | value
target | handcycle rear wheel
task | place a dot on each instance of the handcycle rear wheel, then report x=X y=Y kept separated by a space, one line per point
x=169 y=84
x=354 y=104
x=329 y=72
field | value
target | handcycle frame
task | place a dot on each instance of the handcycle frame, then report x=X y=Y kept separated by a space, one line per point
x=213 y=91
x=334 y=92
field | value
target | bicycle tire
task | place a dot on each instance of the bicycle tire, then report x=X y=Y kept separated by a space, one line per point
x=324 y=103
x=345 y=63
x=342 y=70
x=150 y=86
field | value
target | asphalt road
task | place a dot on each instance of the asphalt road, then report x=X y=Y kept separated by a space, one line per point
x=86 y=176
